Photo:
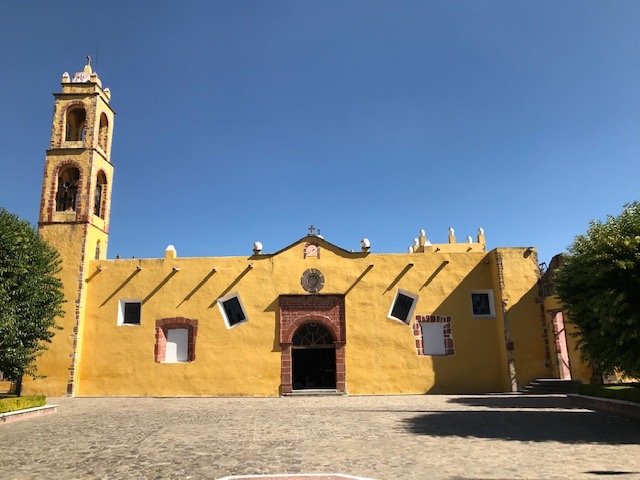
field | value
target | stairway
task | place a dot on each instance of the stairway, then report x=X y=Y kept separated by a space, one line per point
x=546 y=386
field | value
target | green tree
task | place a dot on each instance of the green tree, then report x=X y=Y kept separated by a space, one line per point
x=599 y=284
x=30 y=296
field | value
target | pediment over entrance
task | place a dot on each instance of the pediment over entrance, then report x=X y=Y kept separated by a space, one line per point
x=296 y=310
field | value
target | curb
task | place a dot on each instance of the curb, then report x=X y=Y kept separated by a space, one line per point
x=609 y=404
x=27 y=413
x=296 y=476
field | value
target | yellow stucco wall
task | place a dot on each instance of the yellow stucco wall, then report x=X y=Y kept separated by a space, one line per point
x=55 y=362
x=245 y=360
x=526 y=318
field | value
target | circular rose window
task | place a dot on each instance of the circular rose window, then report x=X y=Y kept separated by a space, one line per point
x=312 y=280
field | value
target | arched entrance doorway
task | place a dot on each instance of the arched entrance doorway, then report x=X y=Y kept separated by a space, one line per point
x=314 y=358
x=296 y=311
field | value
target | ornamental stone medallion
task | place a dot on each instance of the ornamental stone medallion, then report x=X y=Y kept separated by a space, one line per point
x=312 y=280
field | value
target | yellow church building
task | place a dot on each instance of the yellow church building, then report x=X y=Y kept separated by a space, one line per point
x=440 y=318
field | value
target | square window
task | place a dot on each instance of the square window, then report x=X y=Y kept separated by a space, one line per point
x=482 y=304
x=129 y=312
x=403 y=306
x=232 y=310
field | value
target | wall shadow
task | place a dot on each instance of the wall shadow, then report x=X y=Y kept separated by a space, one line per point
x=198 y=286
x=274 y=308
x=569 y=426
x=515 y=401
x=357 y=280
x=434 y=274
x=476 y=341
x=162 y=283
x=398 y=277
x=231 y=285
x=479 y=345
x=122 y=285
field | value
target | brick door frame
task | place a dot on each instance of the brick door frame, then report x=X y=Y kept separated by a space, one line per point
x=298 y=310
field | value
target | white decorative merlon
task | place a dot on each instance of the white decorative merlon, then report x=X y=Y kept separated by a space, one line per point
x=170 y=252
x=257 y=248
x=481 y=237
x=423 y=237
x=365 y=244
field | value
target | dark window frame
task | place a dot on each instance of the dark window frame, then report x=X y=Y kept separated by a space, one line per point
x=130 y=312
x=400 y=308
x=232 y=309
x=482 y=304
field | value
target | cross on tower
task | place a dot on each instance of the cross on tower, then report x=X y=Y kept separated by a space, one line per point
x=312 y=230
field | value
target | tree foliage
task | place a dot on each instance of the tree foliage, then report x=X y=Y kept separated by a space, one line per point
x=30 y=295
x=599 y=284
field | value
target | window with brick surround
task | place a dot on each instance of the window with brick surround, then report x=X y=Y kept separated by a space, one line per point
x=403 y=306
x=129 y=312
x=482 y=304
x=433 y=335
x=232 y=310
x=175 y=340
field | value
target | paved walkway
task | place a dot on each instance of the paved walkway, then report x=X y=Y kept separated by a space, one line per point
x=385 y=438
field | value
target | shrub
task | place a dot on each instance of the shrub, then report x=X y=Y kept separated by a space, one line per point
x=20 y=403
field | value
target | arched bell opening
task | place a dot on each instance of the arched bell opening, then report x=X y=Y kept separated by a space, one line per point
x=103 y=134
x=66 y=196
x=76 y=124
x=101 y=190
x=313 y=358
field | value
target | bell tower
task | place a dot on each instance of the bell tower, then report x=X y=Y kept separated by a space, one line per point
x=74 y=213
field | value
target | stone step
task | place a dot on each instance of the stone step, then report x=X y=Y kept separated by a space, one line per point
x=314 y=392
x=551 y=386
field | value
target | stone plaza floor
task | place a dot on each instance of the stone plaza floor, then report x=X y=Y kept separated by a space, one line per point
x=378 y=437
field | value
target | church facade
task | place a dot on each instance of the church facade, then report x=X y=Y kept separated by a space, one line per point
x=441 y=318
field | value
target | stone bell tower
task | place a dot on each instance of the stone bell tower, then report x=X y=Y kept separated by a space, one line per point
x=74 y=213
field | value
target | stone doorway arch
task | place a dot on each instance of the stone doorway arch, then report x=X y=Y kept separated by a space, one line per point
x=313 y=356
x=326 y=312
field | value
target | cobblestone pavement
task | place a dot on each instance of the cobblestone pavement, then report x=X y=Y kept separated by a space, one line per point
x=390 y=437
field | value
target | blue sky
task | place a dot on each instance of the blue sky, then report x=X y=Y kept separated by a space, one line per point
x=249 y=120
